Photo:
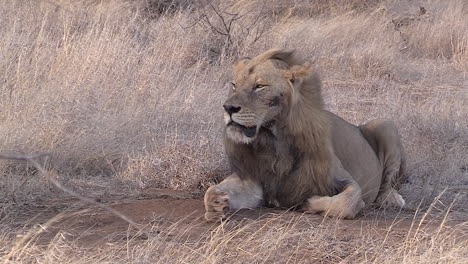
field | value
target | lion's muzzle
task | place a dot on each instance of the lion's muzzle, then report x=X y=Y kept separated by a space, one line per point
x=241 y=122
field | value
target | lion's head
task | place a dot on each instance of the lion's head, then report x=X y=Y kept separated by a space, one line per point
x=263 y=90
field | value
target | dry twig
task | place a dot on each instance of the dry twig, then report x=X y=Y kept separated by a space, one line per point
x=33 y=160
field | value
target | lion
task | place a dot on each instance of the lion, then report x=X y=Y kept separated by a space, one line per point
x=286 y=151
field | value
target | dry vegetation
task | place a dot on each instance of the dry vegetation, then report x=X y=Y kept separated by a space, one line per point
x=126 y=95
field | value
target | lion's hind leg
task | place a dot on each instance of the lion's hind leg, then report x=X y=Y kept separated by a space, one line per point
x=232 y=193
x=384 y=138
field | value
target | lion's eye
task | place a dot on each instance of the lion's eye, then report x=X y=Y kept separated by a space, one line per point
x=259 y=87
x=233 y=85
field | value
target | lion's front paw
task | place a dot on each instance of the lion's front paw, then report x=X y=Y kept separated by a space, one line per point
x=334 y=207
x=216 y=204
x=215 y=216
x=317 y=205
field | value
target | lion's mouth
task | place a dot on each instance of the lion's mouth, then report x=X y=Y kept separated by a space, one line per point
x=248 y=131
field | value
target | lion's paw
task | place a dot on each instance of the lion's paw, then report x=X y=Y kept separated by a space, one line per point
x=392 y=198
x=395 y=199
x=334 y=207
x=399 y=200
x=317 y=204
x=216 y=204
x=215 y=216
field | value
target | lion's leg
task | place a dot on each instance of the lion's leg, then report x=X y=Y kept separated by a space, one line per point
x=384 y=138
x=347 y=204
x=232 y=193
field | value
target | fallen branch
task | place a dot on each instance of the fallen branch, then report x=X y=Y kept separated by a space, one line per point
x=32 y=159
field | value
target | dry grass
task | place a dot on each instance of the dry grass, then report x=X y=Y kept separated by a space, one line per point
x=295 y=239
x=127 y=97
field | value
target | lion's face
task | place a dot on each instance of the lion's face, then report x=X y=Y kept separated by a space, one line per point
x=258 y=97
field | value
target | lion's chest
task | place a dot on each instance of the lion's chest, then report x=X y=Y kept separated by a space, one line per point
x=271 y=163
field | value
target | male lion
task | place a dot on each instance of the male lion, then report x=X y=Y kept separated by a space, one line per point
x=285 y=150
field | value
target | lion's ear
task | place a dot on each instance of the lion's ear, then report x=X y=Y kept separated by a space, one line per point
x=285 y=55
x=241 y=64
x=282 y=54
x=296 y=76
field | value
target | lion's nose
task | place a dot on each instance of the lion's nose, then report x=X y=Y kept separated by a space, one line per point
x=231 y=109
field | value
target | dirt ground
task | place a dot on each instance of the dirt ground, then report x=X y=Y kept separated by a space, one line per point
x=177 y=215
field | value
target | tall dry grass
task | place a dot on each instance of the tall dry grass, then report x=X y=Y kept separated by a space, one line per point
x=113 y=92
x=126 y=94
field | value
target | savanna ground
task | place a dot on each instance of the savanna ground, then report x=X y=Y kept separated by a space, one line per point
x=125 y=98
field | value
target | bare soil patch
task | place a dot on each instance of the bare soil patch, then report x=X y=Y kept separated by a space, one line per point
x=179 y=216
